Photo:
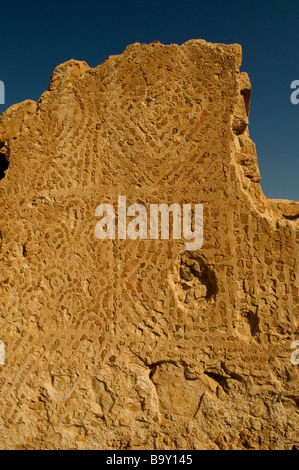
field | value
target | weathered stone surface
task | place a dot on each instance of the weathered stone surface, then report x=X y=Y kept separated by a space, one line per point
x=140 y=344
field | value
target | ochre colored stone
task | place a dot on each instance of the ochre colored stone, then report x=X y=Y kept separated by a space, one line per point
x=140 y=344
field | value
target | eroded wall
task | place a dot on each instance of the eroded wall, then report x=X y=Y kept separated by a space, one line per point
x=140 y=344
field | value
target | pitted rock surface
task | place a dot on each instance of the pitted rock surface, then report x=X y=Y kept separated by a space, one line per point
x=140 y=344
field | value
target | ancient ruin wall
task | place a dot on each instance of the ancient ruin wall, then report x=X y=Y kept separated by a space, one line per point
x=141 y=344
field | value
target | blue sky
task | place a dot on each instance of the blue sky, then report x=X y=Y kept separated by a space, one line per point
x=38 y=36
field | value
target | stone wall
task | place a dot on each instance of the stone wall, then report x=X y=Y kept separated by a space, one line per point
x=141 y=344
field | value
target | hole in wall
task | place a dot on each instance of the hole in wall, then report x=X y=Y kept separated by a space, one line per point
x=195 y=272
x=152 y=371
x=222 y=381
x=246 y=95
x=3 y=165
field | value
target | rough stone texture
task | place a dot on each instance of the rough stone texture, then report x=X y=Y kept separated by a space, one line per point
x=139 y=344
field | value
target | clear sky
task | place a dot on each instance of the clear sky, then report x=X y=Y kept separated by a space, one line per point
x=38 y=36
